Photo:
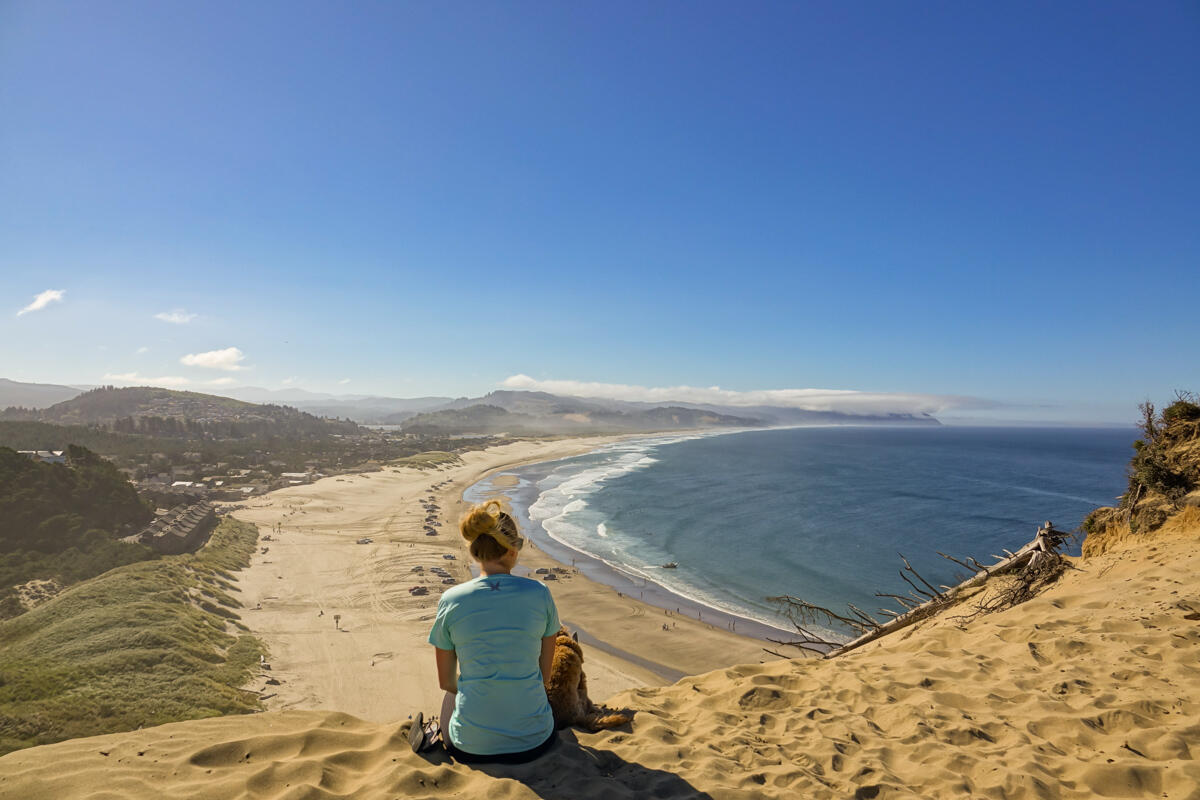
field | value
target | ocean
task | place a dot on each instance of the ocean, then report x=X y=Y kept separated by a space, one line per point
x=818 y=513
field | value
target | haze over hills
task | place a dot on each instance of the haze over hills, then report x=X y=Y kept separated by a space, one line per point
x=782 y=415
x=530 y=412
x=364 y=409
x=33 y=395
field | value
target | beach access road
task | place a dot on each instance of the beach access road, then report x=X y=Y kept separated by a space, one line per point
x=346 y=634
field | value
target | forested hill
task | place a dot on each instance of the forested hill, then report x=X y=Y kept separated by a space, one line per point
x=166 y=412
x=61 y=521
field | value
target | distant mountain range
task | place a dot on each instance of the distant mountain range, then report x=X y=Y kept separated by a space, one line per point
x=499 y=411
x=557 y=414
x=548 y=414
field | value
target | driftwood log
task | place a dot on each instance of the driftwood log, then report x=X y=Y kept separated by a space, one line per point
x=924 y=600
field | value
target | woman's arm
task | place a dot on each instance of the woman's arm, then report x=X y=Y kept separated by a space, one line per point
x=546 y=659
x=447 y=669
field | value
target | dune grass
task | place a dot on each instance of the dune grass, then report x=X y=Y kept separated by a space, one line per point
x=140 y=645
x=427 y=460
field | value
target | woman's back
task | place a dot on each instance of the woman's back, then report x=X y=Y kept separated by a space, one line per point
x=496 y=624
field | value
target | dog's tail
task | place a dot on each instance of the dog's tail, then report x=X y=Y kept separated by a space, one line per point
x=600 y=719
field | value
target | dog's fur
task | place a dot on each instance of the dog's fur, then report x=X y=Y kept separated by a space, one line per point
x=567 y=690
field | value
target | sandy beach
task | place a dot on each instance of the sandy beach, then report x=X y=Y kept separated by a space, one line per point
x=346 y=635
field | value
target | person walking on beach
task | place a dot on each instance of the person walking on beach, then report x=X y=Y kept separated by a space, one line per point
x=493 y=640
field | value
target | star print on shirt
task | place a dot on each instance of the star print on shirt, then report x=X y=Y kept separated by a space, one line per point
x=494 y=585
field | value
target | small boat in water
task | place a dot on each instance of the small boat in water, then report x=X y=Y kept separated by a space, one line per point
x=669 y=565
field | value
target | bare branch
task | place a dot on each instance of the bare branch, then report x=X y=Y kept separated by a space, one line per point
x=904 y=601
x=816 y=645
x=1032 y=567
x=801 y=612
x=864 y=616
x=909 y=568
x=792 y=644
x=956 y=561
x=925 y=594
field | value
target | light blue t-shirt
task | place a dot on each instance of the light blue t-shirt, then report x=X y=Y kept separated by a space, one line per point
x=495 y=624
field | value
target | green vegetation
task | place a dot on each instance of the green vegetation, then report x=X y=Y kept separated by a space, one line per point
x=87 y=488
x=428 y=460
x=62 y=521
x=143 y=644
x=1164 y=470
x=472 y=419
x=147 y=455
x=1186 y=408
x=169 y=413
x=1156 y=467
x=30 y=435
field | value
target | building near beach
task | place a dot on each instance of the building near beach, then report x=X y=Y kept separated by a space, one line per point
x=181 y=530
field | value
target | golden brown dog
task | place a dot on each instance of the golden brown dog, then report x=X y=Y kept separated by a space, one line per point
x=567 y=690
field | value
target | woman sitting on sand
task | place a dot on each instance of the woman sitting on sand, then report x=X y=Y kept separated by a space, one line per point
x=494 y=641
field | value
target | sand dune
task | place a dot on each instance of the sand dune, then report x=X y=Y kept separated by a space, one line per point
x=1089 y=690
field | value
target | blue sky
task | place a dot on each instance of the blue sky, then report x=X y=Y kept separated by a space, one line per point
x=952 y=200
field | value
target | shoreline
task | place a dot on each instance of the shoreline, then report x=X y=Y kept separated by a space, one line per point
x=626 y=587
x=645 y=590
x=345 y=633
x=642 y=589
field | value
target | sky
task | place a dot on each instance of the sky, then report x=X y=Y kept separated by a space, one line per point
x=994 y=208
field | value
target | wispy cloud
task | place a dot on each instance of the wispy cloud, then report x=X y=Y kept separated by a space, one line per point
x=134 y=379
x=847 y=401
x=343 y=381
x=44 y=299
x=288 y=381
x=226 y=381
x=228 y=359
x=143 y=349
x=177 y=316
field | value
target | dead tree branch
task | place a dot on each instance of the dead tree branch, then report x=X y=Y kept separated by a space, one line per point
x=909 y=568
x=1036 y=564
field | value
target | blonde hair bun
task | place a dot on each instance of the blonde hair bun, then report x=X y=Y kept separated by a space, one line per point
x=490 y=530
x=480 y=520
